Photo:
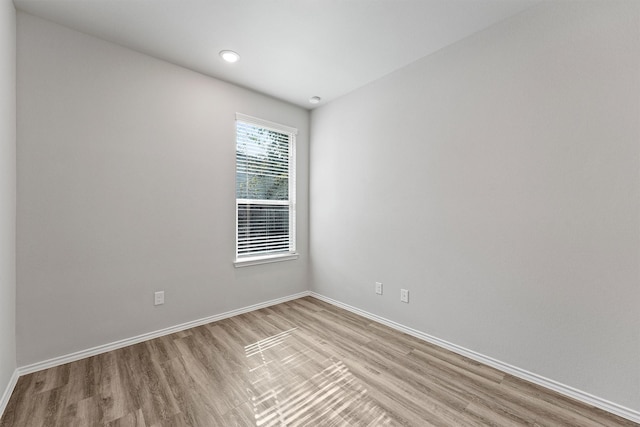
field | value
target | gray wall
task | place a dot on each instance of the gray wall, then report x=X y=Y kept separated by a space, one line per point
x=7 y=192
x=126 y=169
x=497 y=180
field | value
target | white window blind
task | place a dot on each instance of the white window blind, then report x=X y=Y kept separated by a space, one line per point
x=265 y=188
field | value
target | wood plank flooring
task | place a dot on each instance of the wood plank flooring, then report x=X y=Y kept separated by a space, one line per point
x=301 y=363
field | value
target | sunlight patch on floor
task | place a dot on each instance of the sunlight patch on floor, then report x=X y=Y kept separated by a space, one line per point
x=295 y=385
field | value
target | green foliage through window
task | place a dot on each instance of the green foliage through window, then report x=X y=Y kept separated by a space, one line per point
x=262 y=163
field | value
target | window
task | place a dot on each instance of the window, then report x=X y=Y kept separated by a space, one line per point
x=265 y=191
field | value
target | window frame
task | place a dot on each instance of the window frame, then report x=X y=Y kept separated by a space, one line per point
x=291 y=253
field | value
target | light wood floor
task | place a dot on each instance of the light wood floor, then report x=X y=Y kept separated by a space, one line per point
x=304 y=362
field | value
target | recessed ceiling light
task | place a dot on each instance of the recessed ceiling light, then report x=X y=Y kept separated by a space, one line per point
x=315 y=99
x=229 y=56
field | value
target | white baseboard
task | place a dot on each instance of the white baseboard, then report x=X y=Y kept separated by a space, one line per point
x=4 y=400
x=566 y=390
x=72 y=357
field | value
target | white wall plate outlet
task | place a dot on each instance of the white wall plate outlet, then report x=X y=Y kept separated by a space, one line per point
x=158 y=298
x=404 y=295
x=379 y=288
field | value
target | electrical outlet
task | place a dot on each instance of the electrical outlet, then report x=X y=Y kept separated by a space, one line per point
x=379 y=288
x=404 y=295
x=158 y=298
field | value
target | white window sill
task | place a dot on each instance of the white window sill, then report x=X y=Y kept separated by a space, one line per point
x=265 y=259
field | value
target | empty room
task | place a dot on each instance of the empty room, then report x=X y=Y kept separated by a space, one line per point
x=319 y=213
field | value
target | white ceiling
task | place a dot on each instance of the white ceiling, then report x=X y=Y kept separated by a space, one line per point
x=290 y=49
